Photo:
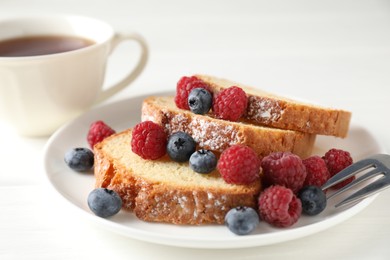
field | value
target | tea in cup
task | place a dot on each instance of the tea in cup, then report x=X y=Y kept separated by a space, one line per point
x=52 y=68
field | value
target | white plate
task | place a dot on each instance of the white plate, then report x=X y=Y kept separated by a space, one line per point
x=75 y=187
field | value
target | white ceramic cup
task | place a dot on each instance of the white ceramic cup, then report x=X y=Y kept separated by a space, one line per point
x=40 y=93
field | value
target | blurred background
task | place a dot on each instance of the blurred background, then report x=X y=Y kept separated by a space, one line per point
x=335 y=52
x=301 y=48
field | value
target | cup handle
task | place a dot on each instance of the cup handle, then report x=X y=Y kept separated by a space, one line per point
x=118 y=38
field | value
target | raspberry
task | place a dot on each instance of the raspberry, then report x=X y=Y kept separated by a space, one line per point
x=337 y=160
x=149 y=140
x=97 y=132
x=317 y=171
x=239 y=164
x=230 y=104
x=183 y=89
x=279 y=206
x=284 y=168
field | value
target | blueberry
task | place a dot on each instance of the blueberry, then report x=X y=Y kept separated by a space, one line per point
x=203 y=161
x=313 y=200
x=180 y=146
x=200 y=101
x=79 y=159
x=242 y=220
x=104 y=202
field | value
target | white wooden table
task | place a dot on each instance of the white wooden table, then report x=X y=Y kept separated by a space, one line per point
x=336 y=53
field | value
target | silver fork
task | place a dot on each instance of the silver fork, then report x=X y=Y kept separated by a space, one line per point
x=380 y=164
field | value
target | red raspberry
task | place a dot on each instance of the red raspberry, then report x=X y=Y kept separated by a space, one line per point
x=97 y=132
x=317 y=172
x=279 y=206
x=230 y=103
x=337 y=160
x=239 y=164
x=149 y=140
x=284 y=168
x=184 y=87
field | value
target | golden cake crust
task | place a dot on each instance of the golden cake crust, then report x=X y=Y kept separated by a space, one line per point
x=217 y=135
x=163 y=190
x=280 y=112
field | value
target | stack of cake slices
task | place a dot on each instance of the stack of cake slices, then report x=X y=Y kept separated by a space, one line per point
x=166 y=191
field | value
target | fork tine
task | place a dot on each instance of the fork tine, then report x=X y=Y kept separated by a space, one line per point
x=370 y=189
x=348 y=172
x=358 y=180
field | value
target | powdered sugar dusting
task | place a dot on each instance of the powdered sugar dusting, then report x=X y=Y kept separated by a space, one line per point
x=183 y=201
x=207 y=133
x=196 y=201
x=193 y=205
x=146 y=117
x=263 y=110
x=183 y=206
x=176 y=122
x=212 y=135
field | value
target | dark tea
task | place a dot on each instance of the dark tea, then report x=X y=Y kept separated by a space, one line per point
x=41 y=45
